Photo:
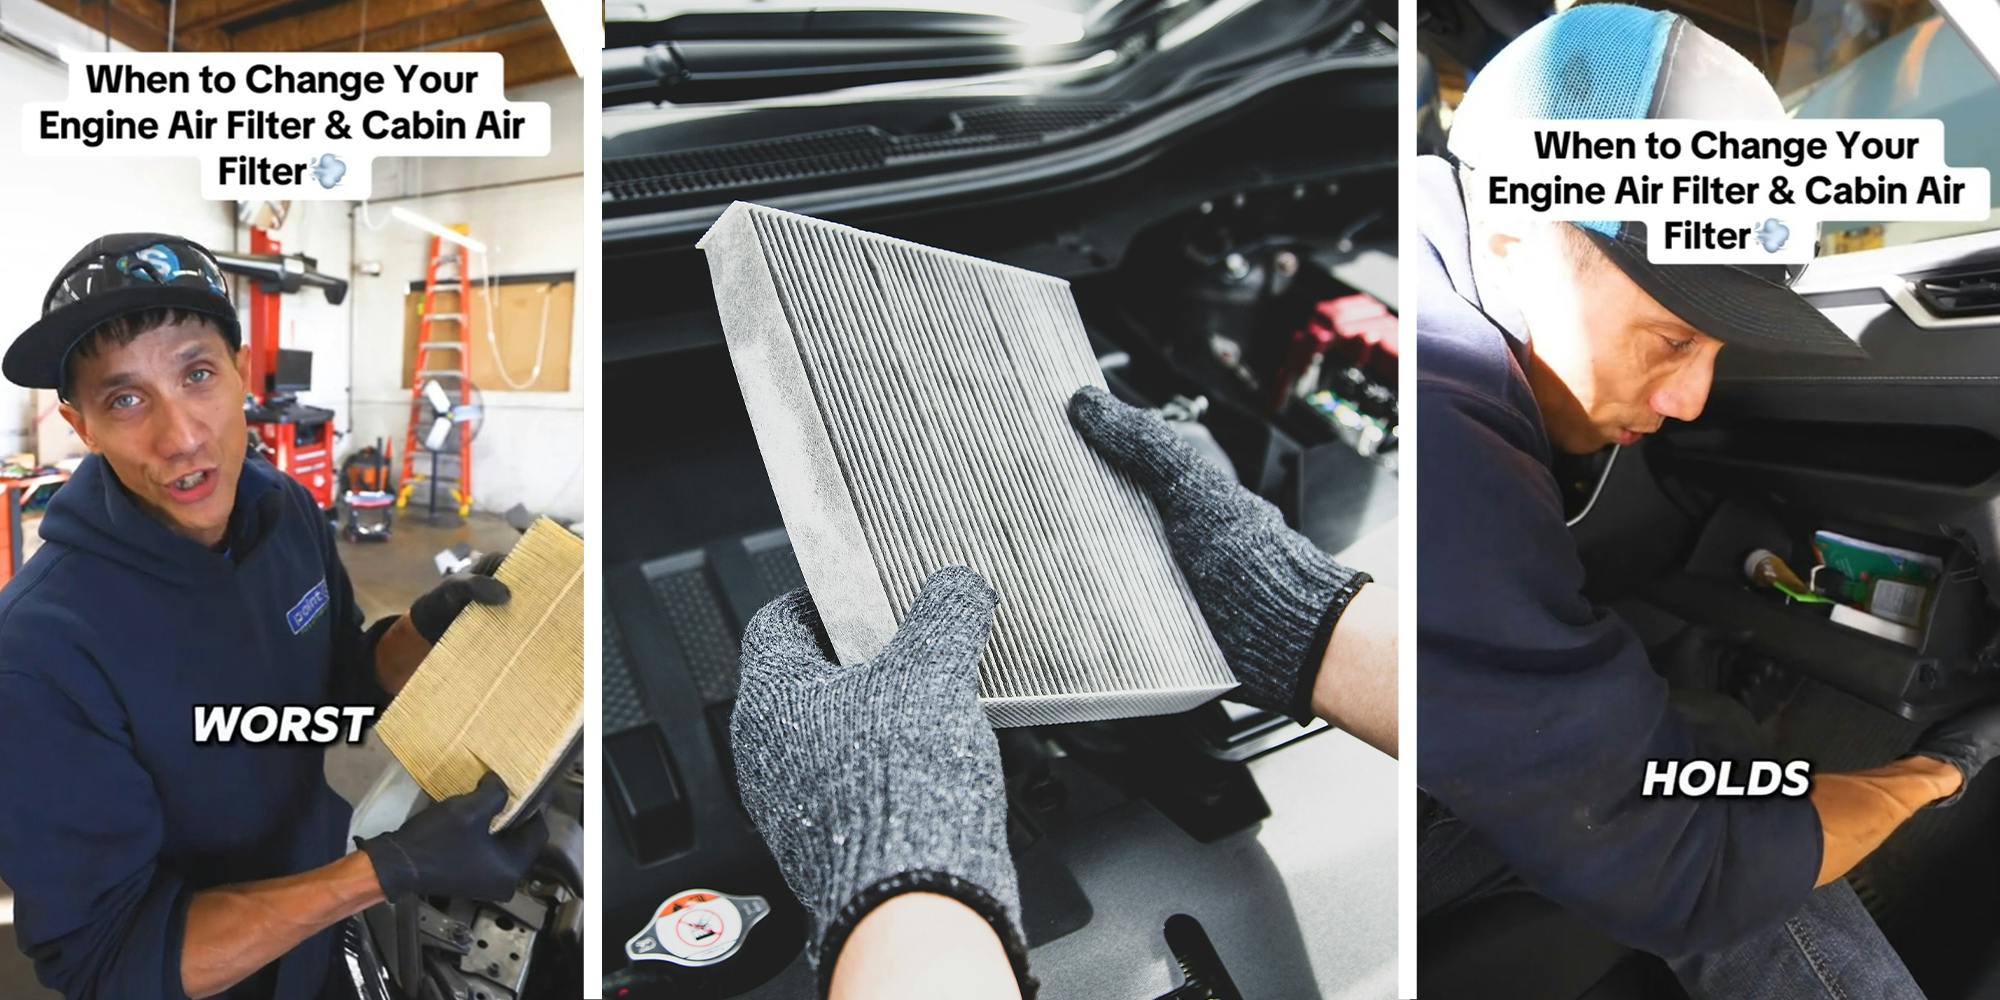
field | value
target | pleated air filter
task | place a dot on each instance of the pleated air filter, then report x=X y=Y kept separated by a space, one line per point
x=910 y=407
x=502 y=691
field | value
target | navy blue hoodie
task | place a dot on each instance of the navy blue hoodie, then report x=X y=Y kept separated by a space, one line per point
x=1536 y=711
x=113 y=817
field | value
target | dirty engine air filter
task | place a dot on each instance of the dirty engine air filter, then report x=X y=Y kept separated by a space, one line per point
x=503 y=688
x=910 y=407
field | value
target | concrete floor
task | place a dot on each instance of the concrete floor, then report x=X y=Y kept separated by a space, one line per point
x=387 y=576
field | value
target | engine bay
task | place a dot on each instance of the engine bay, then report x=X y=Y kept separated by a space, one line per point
x=1154 y=851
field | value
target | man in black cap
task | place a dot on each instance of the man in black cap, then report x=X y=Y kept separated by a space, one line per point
x=179 y=570
x=1538 y=712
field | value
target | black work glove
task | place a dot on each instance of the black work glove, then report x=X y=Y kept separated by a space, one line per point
x=1270 y=596
x=434 y=612
x=880 y=778
x=1965 y=741
x=450 y=849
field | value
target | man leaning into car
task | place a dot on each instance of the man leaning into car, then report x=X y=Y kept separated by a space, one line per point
x=180 y=570
x=1537 y=711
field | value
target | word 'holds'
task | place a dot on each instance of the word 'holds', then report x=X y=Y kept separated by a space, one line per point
x=1697 y=779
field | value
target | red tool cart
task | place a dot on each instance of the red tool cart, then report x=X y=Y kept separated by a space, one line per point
x=298 y=439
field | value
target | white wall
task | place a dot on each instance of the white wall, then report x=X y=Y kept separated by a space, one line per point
x=306 y=321
x=54 y=205
x=529 y=449
x=529 y=212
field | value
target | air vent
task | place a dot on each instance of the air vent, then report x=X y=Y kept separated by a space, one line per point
x=657 y=175
x=623 y=707
x=855 y=150
x=1961 y=293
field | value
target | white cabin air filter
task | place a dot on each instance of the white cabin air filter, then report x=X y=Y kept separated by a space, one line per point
x=910 y=406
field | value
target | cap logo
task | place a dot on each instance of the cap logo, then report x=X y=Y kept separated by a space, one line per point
x=158 y=262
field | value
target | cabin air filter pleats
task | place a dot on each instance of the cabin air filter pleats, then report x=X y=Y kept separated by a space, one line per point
x=503 y=689
x=910 y=407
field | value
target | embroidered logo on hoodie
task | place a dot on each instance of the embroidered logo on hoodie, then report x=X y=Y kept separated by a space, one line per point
x=304 y=613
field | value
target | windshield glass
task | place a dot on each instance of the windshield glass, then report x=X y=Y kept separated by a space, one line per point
x=1871 y=59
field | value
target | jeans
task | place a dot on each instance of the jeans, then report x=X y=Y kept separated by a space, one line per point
x=1829 y=950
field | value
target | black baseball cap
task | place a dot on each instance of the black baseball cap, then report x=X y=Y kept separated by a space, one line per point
x=1751 y=306
x=110 y=277
x=1616 y=61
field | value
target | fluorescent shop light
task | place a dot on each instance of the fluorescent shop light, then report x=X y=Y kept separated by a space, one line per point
x=436 y=228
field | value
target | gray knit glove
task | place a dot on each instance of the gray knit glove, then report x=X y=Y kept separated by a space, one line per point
x=1270 y=596
x=880 y=778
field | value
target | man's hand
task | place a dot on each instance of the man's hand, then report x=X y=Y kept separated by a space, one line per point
x=1859 y=810
x=234 y=930
x=449 y=849
x=436 y=610
x=1965 y=741
x=1271 y=597
x=402 y=648
x=920 y=946
x=883 y=778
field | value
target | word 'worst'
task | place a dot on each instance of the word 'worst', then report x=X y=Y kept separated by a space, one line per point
x=280 y=723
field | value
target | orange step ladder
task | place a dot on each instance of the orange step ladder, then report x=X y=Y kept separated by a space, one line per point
x=455 y=323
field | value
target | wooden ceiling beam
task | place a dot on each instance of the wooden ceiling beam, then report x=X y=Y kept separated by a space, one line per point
x=518 y=29
x=130 y=25
x=340 y=25
x=474 y=16
x=538 y=58
x=186 y=39
x=201 y=40
x=154 y=18
x=495 y=40
x=141 y=25
x=487 y=34
x=196 y=15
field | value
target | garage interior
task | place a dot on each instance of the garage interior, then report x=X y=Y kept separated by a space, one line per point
x=344 y=363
